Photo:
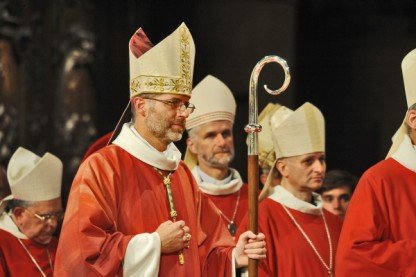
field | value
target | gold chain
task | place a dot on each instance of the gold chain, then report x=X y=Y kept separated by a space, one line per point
x=173 y=213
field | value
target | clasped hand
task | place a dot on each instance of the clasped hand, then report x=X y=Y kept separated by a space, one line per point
x=174 y=236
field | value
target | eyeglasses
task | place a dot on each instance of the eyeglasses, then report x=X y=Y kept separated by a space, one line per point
x=58 y=216
x=177 y=104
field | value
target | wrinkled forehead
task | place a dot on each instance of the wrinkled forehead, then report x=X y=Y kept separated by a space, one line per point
x=216 y=126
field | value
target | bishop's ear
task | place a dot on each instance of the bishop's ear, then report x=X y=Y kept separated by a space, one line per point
x=282 y=167
x=411 y=119
x=191 y=145
x=138 y=104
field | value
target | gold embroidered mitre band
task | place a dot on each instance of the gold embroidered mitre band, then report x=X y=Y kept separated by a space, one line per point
x=213 y=101
x=266 y=148
x=299 y=132
x=409 y=79
x=165 y=68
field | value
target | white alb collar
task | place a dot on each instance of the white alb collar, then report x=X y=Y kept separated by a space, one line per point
x=229 y=185
x=284 y=197
x=7 y=224
x=131 y=141
x=406 y=154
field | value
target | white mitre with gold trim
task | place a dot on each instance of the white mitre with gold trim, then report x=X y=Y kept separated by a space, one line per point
x=165 y=68
x=409 y=79
x=213 y=101
x=301 y=132
x=33 y=178
x=265 y=139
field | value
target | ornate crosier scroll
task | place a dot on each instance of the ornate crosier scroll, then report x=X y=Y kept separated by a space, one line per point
x=252 y=128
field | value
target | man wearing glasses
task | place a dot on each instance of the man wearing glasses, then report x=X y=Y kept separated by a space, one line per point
x=30 y=215
x=134 y=208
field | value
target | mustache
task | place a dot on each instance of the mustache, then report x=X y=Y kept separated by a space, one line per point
x=179 y=122
x=223 y=150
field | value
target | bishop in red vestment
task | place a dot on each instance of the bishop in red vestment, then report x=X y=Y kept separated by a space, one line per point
x=301 y=237
x=116 y=196
x=19 y=260
x=378 y=237
x=288 y=252
x=210 y=150
x=30 y=215
x=134 y=208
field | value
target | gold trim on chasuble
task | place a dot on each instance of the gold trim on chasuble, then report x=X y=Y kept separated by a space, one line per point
x=175 y=85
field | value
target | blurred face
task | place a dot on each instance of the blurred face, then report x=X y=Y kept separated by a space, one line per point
x=36 y=229
x=304 y=173
x=275 y=179
x=336 y=200
x=164 y=120
x=213 y=144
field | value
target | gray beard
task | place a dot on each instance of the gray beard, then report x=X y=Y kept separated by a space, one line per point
x=161 y=130
x=220 y=163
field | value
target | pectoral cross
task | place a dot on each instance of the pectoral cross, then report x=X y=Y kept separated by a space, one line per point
x=173 y=213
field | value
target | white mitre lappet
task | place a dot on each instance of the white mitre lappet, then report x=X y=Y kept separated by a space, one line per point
x=213 y=101
x=33 y=178
x=409 y=79
x=295 y=133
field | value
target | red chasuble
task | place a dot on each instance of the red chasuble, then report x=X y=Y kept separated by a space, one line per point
x=15 y=261
x=227 y=205
x=379 y=233
x=288 y=252
x=116 y=196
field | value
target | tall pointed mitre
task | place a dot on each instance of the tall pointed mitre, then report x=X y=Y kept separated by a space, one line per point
x=33 y=178
x=165 y=68
x=295 y=133
x=302 y=132
x=265 y=143
x=409 y=79
x=213 y=101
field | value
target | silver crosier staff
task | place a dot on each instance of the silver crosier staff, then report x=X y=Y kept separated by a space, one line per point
x=252 y=128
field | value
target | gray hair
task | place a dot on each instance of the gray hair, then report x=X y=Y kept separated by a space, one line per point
x=15 y=203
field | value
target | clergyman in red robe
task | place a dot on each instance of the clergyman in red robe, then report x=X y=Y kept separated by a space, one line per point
x=134 y=208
